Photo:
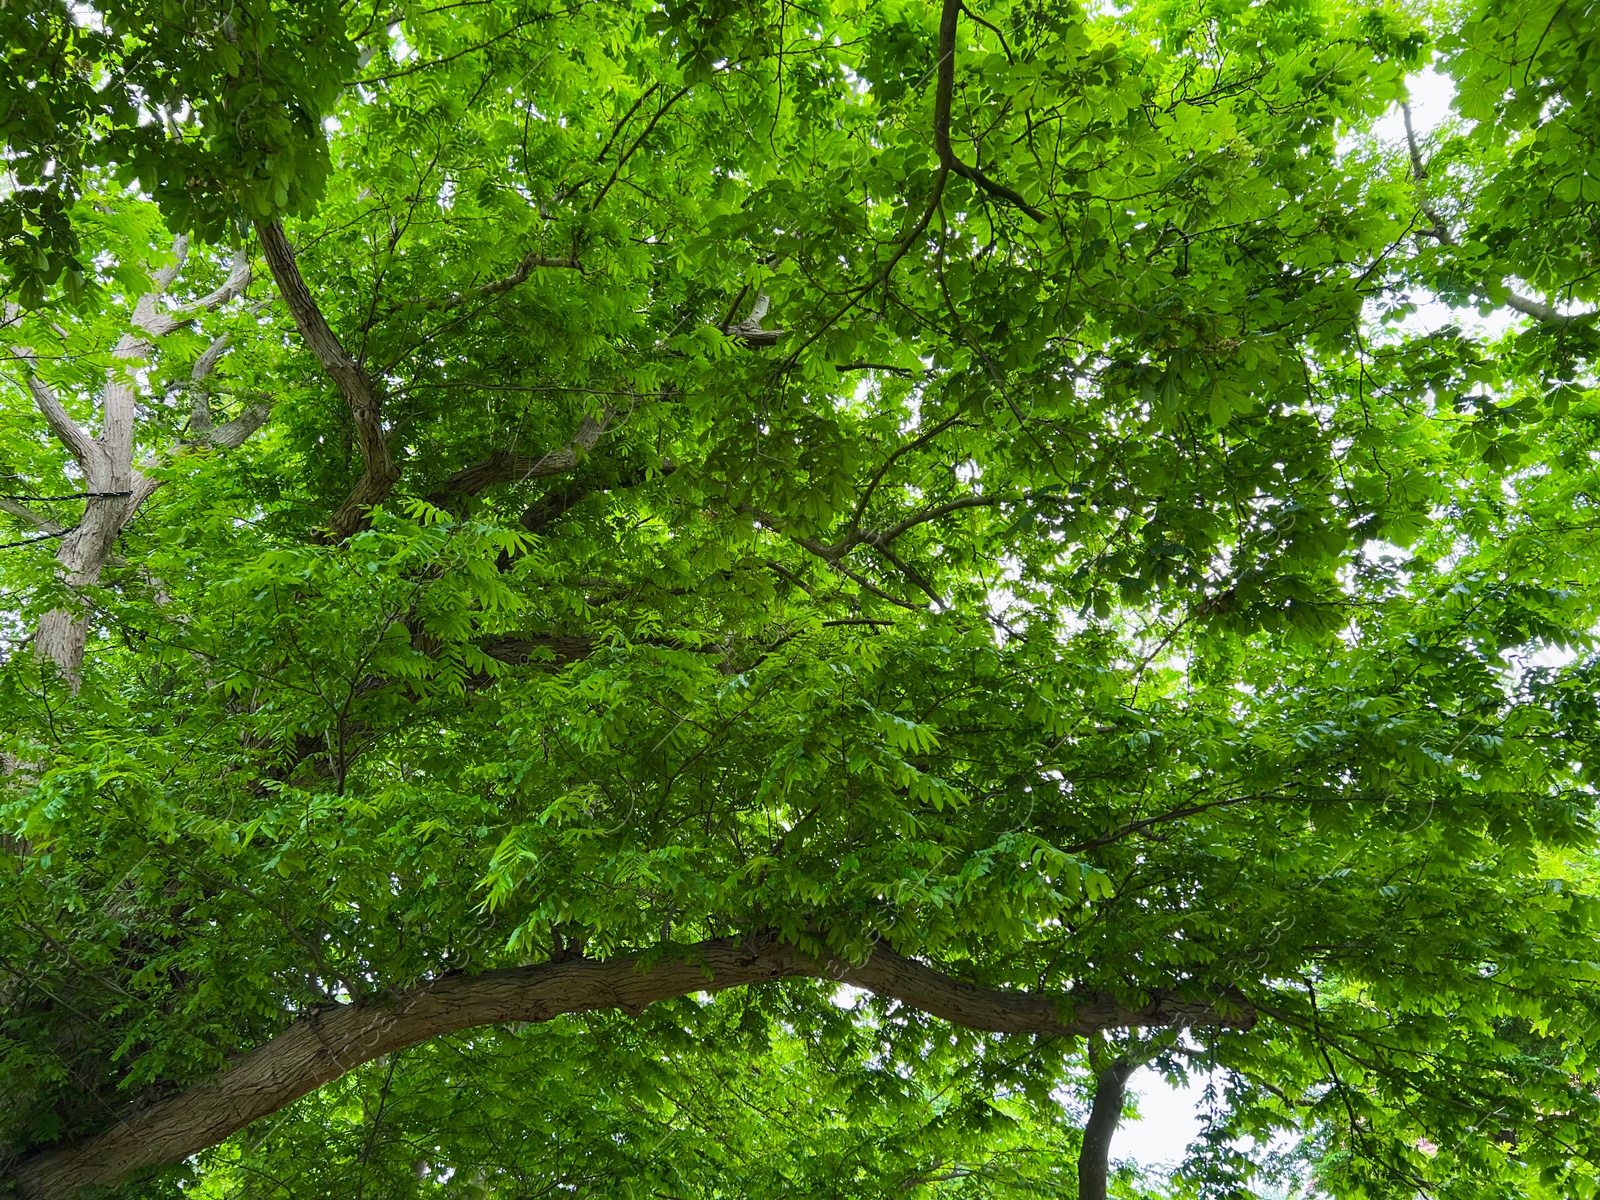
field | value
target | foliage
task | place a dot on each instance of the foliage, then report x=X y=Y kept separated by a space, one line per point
x=789 y=533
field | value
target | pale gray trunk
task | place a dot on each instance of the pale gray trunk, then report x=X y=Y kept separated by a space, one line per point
x=116 y=491
x=115 y=487
x=62 y=634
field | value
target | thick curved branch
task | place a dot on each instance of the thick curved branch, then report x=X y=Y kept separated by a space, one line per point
x=1539 y=310
x=325 y=1045
x=556 y=503
x=944 y=94
x=232 y=434
x=379 y=473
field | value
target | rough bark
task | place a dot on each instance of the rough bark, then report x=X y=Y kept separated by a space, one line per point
x=1094 y=1159
x=321 y=1047
x=379 y=474
x=534 y=648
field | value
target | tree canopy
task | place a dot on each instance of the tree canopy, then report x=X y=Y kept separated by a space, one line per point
x=745 y=598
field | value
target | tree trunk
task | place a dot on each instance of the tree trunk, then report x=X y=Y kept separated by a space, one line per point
x=1110 y=1089
x=62 y=634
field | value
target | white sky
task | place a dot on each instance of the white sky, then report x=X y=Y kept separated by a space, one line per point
x=1169 y=1119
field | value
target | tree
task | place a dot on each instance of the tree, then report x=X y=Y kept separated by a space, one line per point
x=726 y=598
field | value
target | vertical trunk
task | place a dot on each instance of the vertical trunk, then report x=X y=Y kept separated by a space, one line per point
x=1110 y=1089
x=116 y=491
x=62 y=634
x=61 y=638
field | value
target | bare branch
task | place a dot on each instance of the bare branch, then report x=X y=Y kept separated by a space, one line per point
x=207 y=362
x=727 y=321
x=749 y=330
x=23 y=513
x=830 y=554
x=884 y=537
x=530 y=263
x=910 y=573
x=156 y=323
x=73 y=436
x=180 y=254
x=1541 y=311
x=322 y=1047
x=1440 y=231
x=877 y=591
x=886 y=368
x=116 y=487
x=233 y=434
x=649 y=128
x=915 y=443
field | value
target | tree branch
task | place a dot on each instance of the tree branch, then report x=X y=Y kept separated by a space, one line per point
x=1539 y=310
x=116 y=488
x=885 y=536
x=379 y=473
x=944 y=94
x=23 y=513
x=504 y=466
x=233 y=434
x=519 y=274
x=319 y=1048
x=749 y=330
x=1440 y=232
x=155 y=323
x=555 y=504
x=916 y=443
x=530 y=649
x=71 y=435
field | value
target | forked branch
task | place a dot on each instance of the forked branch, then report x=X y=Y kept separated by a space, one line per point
x=1439 y=230
x=944 y=95
x=116 y=487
